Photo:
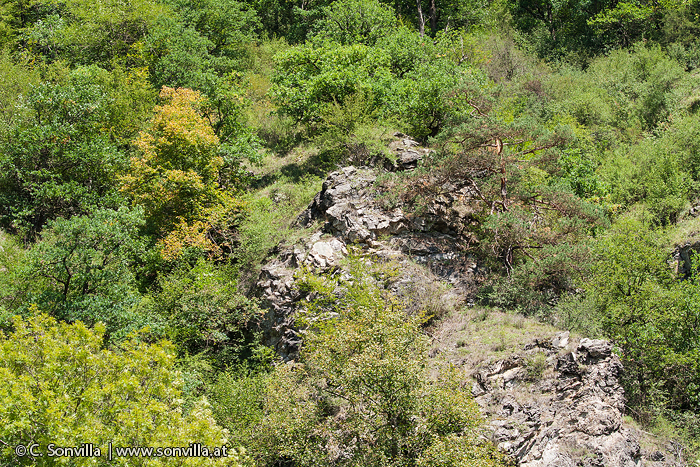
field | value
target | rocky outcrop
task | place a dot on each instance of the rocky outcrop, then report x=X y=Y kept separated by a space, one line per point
x=406 y=153
x=279 y=295
x=681 y=257
x=566 y=412
x=349 y=206
x=557 y=402
x=351 y=212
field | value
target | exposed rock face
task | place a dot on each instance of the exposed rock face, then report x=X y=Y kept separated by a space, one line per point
x=564 y=411
x=352 y=215
x=682 y=256
x=437 y=238
x=280 y=297
x=570 y=415
x=408 y=153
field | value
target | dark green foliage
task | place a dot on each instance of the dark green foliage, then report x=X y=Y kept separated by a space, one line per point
x=177 y=55
x=282 y=18
x=60 y=162
x=229 y=24
x=202 y=311
x=557 y=28
x=85 y=264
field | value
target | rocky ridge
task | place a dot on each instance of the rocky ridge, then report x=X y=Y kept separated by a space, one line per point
x=571 y=415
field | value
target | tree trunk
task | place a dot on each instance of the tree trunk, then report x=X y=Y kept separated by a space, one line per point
x=433 y=18
x=421 y=20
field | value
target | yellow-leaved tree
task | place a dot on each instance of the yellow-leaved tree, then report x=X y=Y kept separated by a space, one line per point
x=175 y=173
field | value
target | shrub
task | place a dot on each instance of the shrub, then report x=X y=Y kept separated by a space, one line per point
x=362 y=394
x=60 y=386
x=355 y=22
x=60 y=163
x=202 y=312
x=650 y=315
x=83 y=265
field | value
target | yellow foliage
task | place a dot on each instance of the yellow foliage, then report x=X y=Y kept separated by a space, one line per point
x=211 y=233
x=175 y=171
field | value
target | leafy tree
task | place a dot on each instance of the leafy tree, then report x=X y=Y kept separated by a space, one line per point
x=287 y=19
x=402 y=76
x=406 y=49
x=85 y=263
x=89 y=32
x=179 y=174
x=228 y=24
x=307 y=78
x=177 y=55
x=60 y=386
x=60 y=163
x=174 y=173
x=650 y=315
x=355 y=22
x=558 y=25
x=446 y=14
x=428 y=96
x=203 y=312
x=625 y=20
x=508 y=167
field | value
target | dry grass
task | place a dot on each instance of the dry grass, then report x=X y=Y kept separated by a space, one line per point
x=474 y=336
x=686 y=230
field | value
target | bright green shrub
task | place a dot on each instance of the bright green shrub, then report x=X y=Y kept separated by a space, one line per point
x=355 y=22
x=651 y=315
x=58 y=385
x=362 y=394
x=639 y=83
x=427 y=96
x=652 y=172
x=406 y=49
x=307 y=78
x=16 y=79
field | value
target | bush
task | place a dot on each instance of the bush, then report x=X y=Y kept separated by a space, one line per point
x=307 y=78
x=202 y=312
x=355 y=22
x=651 y=316
x=60 y=163
x=60 y=386
x=362 y=394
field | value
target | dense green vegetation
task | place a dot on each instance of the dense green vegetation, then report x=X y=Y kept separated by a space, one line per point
x=146 y=169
